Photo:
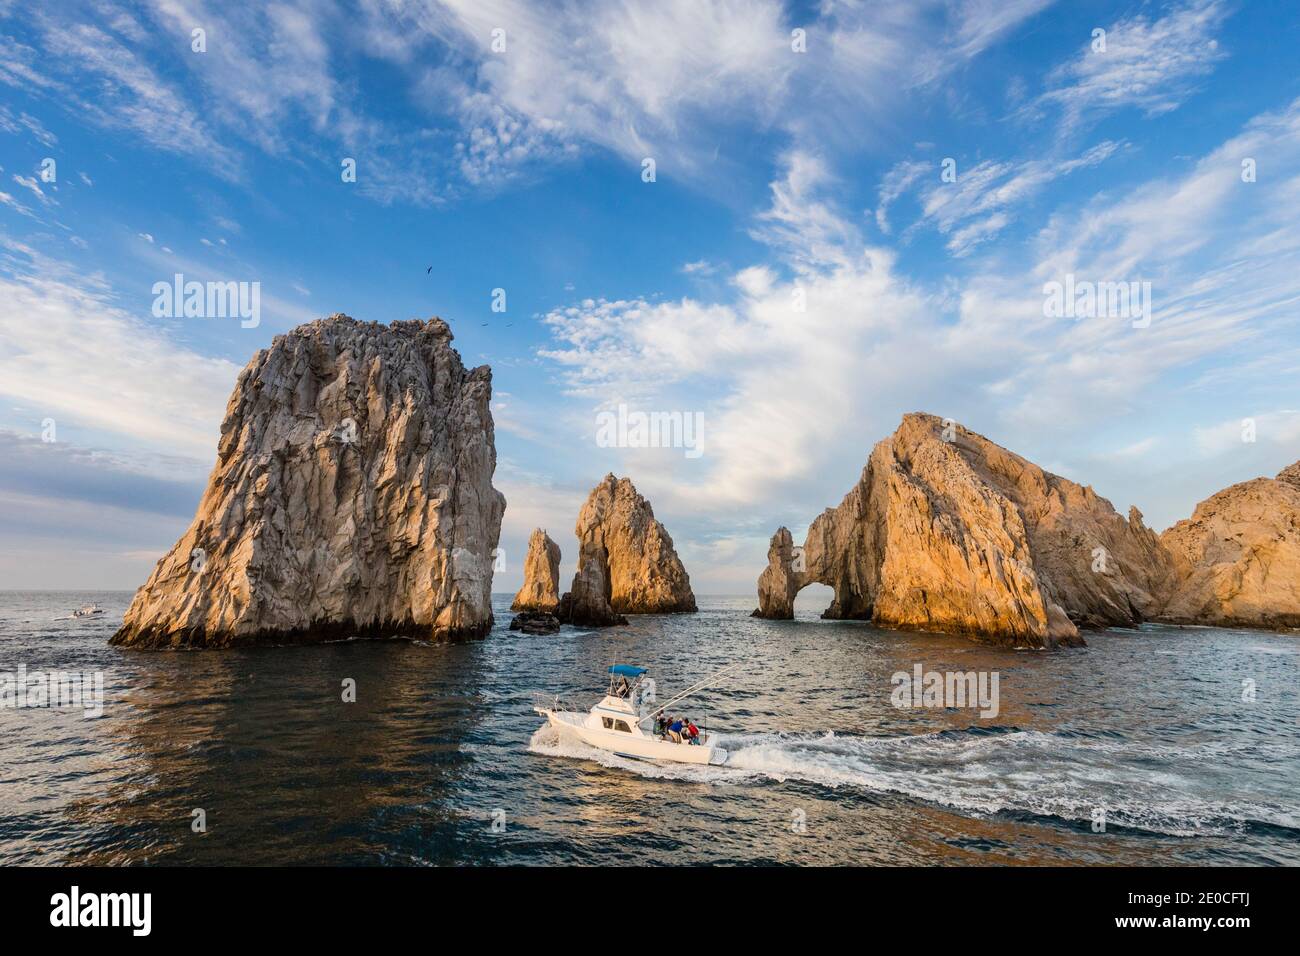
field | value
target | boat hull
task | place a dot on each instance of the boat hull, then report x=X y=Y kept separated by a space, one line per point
x=632 y=745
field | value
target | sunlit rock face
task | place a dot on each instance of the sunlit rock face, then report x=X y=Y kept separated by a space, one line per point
x=645 y=574
x=352 y=497
x=541 y=590
x=947 y=531
x=626 y=560
x=1238 y=556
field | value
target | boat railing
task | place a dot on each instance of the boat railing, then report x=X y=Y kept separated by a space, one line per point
x=548 y=701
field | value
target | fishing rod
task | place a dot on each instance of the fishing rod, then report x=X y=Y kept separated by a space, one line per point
x=690 y=690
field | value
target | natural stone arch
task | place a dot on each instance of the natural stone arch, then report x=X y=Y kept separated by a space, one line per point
x=790 y=569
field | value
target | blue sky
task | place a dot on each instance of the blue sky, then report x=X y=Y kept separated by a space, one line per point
x=778 y=174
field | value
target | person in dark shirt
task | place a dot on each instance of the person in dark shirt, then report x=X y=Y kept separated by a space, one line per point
x=675 y=730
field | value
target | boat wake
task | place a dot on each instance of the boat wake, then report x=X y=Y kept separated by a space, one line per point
x=980 y=772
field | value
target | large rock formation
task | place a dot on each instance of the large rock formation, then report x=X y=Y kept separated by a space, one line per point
x=1238 y=556
x=352 y=496
x=645 y=574
x=541 y=590
x=626 y=560
x=946 y=531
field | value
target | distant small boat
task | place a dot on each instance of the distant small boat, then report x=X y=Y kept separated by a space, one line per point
x=87 y=609
x=617 y=723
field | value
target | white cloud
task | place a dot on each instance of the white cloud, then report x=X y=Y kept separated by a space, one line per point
x=895 y=183
x=1275 y=427
x=55 y=332
x=978 y=24
x=978 y=205
x=128 y=93
x=620 y=76
x=801 y=223
x=777 y=386
x=1148 y=65
x=10 y=123
x=7 y=199
x=793 y=401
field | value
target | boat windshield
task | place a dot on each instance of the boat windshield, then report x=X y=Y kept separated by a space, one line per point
x=624 y=680
x=622 y=686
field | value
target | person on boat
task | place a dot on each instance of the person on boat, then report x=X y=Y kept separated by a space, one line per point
x=661 y=724
x=623 y=687
x=675 y=730
x=692 y=732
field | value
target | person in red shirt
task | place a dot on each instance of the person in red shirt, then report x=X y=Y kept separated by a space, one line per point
x=692 y=731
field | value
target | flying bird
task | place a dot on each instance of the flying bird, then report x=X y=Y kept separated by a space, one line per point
x=428 y=270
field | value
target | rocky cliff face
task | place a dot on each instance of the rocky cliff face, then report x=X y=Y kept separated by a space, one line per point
x=1238 y=556
x=587 y=603
x=541 y=590
x=946 y=531
x=352 y=496
x=626 y=559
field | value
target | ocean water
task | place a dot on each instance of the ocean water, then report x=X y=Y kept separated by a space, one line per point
x=441 y=760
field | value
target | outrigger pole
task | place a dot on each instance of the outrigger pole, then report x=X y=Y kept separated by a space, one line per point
x=690 y=690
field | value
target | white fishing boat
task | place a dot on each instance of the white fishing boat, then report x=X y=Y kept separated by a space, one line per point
x=86 y=610
x=624 y=721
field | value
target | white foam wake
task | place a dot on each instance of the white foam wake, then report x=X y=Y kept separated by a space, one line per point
x=1028 y=772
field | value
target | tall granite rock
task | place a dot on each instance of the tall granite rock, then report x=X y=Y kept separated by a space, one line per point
x=946 y=531
x=541 y=590
x=626 y=560
x=352 y=496
x=1238 y=556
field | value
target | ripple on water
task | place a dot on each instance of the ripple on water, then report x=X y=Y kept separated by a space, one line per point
x=1149 y=726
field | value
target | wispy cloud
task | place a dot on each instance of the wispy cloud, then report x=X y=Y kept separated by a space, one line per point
x=1149 y=65
x=129 y=94
x=792 y=397
x=980 y=203
x=55 y=333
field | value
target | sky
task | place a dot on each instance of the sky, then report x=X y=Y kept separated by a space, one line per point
x=793 y=222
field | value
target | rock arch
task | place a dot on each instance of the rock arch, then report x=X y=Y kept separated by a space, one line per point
x=947 y=531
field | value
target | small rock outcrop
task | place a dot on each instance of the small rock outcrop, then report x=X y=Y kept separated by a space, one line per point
x=541 y=590
x=352 y=497
x=1238 y=556
x=626 y=560
x=947 y=531
x=535 y=622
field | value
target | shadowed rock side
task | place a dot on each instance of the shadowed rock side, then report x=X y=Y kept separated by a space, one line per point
x=963 y=536
x=587 y=603
x=541 y=590
x=352 y=496
x=1238 y=556
x=535 y=622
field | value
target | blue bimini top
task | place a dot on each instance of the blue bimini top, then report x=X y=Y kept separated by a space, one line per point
x=626 y=670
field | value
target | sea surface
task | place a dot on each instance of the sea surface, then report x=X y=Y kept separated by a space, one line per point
x=1185 y=742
